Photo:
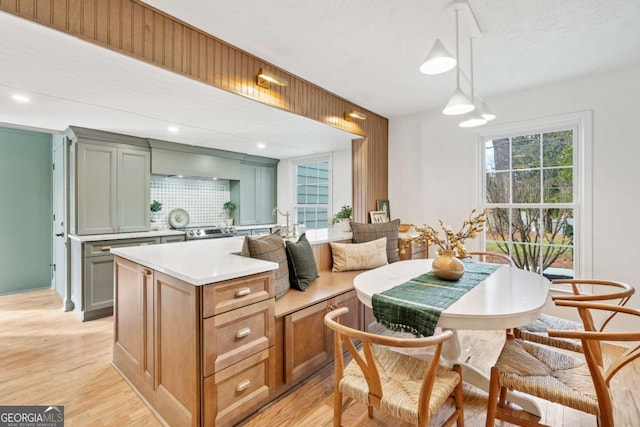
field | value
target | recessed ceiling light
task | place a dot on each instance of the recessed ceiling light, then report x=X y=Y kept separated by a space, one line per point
x=174 y=129
x=262 y=145
x=21 y=98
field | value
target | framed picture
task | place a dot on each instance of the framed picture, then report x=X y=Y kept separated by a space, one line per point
x=378 y=217
x=383 y=205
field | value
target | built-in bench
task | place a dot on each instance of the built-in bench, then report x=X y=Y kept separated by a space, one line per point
x=303 y=343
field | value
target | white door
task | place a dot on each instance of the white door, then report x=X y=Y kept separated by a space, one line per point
x=59 y=278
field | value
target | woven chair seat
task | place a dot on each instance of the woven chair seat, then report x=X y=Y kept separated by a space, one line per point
x=401 y=377
x=547 y=373
x=538 y=332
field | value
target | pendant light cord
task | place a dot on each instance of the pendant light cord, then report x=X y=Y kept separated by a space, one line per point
x=471 y=66
x=457 y=52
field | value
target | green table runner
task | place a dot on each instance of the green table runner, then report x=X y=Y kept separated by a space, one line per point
x=415 y=306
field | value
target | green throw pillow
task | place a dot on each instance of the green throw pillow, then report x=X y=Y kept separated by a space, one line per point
x=302 y=263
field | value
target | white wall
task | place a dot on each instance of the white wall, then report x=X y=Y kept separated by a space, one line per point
x=341 y=182
x=433 y=168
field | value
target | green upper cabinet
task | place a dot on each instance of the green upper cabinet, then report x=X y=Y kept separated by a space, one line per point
x=257 y=194
x=112 y=183
x=134 y=189
x=96 y=207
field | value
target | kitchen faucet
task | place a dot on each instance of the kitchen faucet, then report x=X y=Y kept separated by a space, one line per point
x=286 y=214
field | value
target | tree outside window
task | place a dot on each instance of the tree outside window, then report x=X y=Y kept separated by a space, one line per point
x=529 y=185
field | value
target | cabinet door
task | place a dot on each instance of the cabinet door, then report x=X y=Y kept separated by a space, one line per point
x=307 y=345
x=248 y=195
x=96 y=207
x=134 y=175
x=98 y=282
x=176 y=344
x=133 y=323
x=353 y=318
x=266 y=194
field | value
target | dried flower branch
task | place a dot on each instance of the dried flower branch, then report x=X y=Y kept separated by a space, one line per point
x=451 y=241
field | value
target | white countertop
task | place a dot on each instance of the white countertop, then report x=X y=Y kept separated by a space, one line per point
x=200 y=262
x=197 y=262
x=118 y=236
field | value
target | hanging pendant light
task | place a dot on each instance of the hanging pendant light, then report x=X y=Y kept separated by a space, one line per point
x=438 y=60
x=486 y=112
x=458 y=103
x=475 y=117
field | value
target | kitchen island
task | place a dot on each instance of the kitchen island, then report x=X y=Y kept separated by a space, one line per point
x=193 y=329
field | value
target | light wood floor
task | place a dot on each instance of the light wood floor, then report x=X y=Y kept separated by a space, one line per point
x=49 y=357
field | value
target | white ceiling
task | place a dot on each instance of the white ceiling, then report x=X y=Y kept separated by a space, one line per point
x=71 y=82
x=367 y=51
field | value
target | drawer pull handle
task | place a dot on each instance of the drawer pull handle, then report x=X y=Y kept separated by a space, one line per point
x=243 y=386
x=243 y=292
x=146 y=272
x=243 y=333
x=105 y=248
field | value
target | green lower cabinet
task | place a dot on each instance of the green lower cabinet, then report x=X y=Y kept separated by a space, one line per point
x=92 y=274
x=98 y=274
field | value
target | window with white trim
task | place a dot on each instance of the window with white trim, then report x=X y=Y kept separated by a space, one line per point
x=312 y=198
x=533 y=182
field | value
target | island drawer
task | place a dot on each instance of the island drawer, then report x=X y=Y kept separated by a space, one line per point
x=234 y=392
x=231 y=294
x=233 y=336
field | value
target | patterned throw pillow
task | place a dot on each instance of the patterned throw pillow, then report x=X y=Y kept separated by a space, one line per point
x=359 y=256
x=368 y=232
x=302 y=263
x=270 y=247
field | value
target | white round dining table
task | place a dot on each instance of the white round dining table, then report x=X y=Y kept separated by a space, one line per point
x=507 y=298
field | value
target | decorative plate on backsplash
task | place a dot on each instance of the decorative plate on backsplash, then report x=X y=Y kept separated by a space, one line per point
x=178 y=218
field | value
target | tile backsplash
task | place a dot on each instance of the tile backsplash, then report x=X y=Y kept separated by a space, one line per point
x=201 y=198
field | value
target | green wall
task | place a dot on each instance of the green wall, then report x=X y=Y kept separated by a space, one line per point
x=25 y=210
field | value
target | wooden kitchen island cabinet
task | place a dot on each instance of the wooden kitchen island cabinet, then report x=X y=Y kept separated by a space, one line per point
x=198 y=355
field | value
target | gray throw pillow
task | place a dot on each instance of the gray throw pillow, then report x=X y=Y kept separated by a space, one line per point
x=270 y=247
x=302 y=264
x=367 y=232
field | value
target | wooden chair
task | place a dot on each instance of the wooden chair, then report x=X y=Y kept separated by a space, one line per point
x=402 y=386
x=490 y=257
x=538 y=330
x=542 y=371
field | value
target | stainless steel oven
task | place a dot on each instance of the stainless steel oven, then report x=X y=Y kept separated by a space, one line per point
x=207 y=232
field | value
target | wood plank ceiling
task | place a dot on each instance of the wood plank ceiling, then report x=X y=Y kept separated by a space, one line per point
x=135 y=29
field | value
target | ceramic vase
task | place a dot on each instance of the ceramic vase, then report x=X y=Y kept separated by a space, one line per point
x=447 y=266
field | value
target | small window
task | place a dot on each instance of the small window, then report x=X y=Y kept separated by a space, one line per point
x=312 y=194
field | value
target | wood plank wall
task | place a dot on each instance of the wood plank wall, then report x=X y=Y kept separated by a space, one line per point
x=135 y=29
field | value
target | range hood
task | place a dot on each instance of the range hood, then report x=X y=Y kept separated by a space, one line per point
x=180 y=160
